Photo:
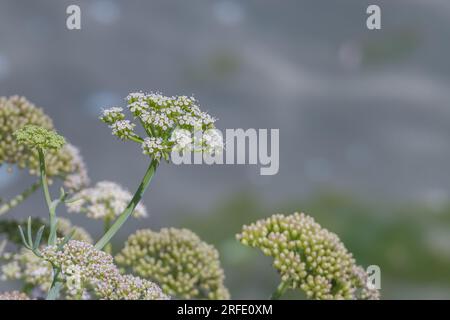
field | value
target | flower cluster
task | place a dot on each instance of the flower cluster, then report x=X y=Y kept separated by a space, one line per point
x=364 y=292
x=17 y=112
x=38 y=137
x=34 y=272
x=84 y=267
x=307 y=256
x=113 y=115
x=182 y=140
x=168 y=123
x=154 y=147
x=123 y=129
x=77 y=178
x=212 y=141
x=106 y=200
x=128 y=287
x=26 y=267
x=176 y=259
x=13 y=295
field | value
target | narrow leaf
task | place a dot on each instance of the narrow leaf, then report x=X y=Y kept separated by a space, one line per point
x=29 y=233
x=22 y=235
x=37 y=241
x=54 y=204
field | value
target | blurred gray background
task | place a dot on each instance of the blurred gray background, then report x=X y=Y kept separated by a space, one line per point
x=365 y=114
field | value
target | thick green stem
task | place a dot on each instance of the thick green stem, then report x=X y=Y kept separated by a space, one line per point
x=53 y=293
x=19 y=198
x=48 y=200
x=130 y=208
x=281 y=289
x=137 y=139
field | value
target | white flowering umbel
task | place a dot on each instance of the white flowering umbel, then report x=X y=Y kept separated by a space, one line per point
x=87 y=270
x=168 y=122
x=105 y=201
x=308 y=257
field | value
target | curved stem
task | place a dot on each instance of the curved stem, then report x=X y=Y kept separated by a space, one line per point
x=48 y=200
x=56 y=285
x=53 y=293
x=281 y=289
x=147 y=129
x=44 y=183
x=107 y=224
x=130 y=208
x=19 y=198
x=137 y=139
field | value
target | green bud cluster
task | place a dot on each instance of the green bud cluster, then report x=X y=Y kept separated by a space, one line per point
x=307 y=256
x=38 y=137
x=176 y=259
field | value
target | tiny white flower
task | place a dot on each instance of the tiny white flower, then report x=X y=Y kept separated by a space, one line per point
x=213 y=141
x=182 y=140
x=123 y=129
x=153 y=147
x=112 y=115
x=160 y=116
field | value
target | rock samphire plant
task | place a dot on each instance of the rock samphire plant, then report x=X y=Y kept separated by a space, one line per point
x=178 y=260
x=308 y=257
x=55 y=259
x=167 y=123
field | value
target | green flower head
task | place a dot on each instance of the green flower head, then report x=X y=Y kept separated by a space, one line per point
x=39 y=137
x=308 y=257
x=178 y=260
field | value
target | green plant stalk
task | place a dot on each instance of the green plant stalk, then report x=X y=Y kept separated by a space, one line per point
x=19 y=198
x=130 y=208
x=53 y=293
x=107 y=224
x=278 y=293
x=55 y=288
x=48 y=200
